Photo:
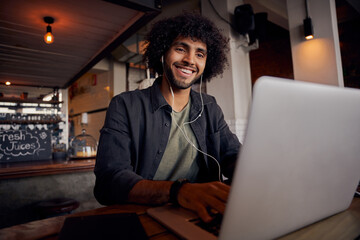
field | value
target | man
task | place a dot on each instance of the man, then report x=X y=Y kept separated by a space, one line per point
x=154 y=138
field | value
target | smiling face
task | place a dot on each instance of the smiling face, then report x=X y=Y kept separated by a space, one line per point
x=185 y=62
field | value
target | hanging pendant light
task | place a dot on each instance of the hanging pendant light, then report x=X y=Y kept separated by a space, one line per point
x=48 y=37
x=308 y=27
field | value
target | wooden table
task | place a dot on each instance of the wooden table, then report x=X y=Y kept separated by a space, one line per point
x=345 y=225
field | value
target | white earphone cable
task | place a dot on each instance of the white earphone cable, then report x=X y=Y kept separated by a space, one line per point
x=184 y=133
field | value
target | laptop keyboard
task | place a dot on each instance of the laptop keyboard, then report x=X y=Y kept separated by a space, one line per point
x=211 y=227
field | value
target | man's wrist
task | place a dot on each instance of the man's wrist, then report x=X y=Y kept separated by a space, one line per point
x=174 y=190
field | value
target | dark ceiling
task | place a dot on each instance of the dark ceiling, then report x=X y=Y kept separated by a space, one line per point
x=84 y=31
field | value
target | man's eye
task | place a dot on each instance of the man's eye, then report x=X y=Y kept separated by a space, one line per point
x=200 y=55
x=180 y=49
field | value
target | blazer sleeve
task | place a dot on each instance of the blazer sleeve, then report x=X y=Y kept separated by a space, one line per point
x=114 y=172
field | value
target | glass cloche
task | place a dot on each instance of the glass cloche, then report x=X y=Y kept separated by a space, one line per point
x=83 y=146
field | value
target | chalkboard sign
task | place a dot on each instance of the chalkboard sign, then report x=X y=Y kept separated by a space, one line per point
x=25 y=145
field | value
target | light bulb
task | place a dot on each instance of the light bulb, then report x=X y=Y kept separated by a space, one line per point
x=49 y=38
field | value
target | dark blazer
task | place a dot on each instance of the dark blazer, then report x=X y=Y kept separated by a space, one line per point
x=135 y=134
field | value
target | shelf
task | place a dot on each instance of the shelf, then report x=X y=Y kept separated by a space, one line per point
x=28 y=100
x=17 y=106
x=30 y=122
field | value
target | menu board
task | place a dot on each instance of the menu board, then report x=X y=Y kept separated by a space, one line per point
x=25 y=145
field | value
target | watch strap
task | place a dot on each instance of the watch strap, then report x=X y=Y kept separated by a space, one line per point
x=174 y=190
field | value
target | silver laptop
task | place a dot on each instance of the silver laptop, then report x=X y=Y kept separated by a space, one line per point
x=300 y=163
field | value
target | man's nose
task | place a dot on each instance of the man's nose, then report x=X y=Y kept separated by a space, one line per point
x=190 y=58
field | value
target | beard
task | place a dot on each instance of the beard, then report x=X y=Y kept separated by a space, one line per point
x=175 y=82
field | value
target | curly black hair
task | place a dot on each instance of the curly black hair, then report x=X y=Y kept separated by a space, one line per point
x=193 y=25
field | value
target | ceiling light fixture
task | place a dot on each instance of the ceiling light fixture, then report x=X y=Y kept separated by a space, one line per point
x=7 y=83
x=48 y=37
x=308 y=27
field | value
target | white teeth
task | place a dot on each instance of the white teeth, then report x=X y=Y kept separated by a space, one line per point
x=185 y=70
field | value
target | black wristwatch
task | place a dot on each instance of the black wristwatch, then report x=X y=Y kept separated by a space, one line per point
x=174 y=190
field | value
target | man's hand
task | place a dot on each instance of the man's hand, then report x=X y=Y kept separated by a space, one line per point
x=202 y=197
x=198 y=197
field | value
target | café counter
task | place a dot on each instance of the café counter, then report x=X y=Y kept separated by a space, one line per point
x=24 y=185
x=44 y=167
